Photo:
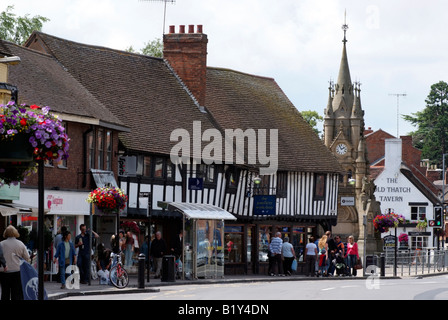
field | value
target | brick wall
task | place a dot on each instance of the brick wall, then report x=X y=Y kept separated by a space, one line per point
x=187 y=54
x=72 y=176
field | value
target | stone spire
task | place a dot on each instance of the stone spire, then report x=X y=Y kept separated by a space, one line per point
x=344 y=87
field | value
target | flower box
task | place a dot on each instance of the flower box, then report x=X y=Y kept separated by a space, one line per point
x=28 y=134
x=108 y=200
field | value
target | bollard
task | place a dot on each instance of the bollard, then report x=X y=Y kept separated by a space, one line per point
x=141 y=271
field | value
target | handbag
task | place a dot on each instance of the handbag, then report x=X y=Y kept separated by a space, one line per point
x=294 y=265
x=358 y=264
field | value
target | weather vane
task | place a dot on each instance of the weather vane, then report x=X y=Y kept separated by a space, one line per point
x=345 y=26
x=164 y=10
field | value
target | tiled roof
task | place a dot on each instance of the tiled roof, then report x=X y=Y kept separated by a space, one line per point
x=41 y=80
x=139 y=90
x=144 y=93
x=239 y=100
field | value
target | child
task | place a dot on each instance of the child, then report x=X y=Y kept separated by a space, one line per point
x=323 y=267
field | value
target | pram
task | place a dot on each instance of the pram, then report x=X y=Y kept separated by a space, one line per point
x=339 y=263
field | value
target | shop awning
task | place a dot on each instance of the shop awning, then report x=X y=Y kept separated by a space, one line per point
x=10 y=209
x=197 y=210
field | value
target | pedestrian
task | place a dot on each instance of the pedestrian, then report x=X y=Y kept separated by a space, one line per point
x=129 y=250
x=176 y=245
x=103 y=263
x=331 y=250
x=276 y=252
x=2 y=260
x=65 y=255
x=158 y=249
x=352 y=255
x=310 y=257
x=322 y=248
x=57 y=240
x=288 y=255
x=13 y=249
x=82 y=243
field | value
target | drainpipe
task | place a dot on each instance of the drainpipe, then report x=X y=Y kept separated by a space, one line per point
x=84 y=145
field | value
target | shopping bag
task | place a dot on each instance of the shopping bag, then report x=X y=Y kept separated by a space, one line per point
x=358 y=264
x=30 y=281
x=294 y=265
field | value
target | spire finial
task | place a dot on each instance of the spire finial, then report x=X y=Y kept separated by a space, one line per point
x=345 y=26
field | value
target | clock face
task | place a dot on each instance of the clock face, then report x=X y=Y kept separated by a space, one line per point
x=341 y=149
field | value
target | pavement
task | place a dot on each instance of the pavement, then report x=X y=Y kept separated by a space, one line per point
x=54 y=291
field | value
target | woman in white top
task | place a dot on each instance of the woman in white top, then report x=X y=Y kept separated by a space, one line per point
x=13 y=250
x=288 y=255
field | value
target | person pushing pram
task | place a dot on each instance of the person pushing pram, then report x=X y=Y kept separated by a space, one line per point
x=340 y=265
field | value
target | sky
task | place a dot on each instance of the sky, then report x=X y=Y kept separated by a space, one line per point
x=396 y=49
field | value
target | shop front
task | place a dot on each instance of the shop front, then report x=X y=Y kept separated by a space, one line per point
x=246 y=246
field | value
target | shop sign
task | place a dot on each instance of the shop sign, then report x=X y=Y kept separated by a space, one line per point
x=389 y=242
x=195 y=183
x=264 y=205
x=348 y=201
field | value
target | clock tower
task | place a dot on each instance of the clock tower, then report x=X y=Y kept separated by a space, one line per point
x=344 y=136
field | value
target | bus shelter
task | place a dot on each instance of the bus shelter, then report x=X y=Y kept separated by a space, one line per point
x=203 y=229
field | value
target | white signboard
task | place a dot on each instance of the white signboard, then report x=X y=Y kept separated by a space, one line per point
x=348 y=201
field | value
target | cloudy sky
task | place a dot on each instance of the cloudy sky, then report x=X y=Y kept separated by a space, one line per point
x=394 y=47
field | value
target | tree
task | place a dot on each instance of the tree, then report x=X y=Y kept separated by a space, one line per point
x=152 y=48
x=18 y=29
x=431 y=136
x=312 y=117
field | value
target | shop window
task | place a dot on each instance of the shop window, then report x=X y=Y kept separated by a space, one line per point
x=233 y=244
x=298 y=240
x=264 y=239
x=418 y=213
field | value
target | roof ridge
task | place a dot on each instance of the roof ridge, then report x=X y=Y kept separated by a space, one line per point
x=241 y=72
x=95 y=47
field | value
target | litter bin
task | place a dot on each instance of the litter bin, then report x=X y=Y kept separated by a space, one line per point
x=168 y=269
x=371 y=261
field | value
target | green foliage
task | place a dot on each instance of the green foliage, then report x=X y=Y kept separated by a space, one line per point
x=18 y=29
x=152 y=48
x=312 y=117
x=431 y=136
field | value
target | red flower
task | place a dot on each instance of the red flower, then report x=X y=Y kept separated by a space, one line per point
x=23 y=122
x=34 y=107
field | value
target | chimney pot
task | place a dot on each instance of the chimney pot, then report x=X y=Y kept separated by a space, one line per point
x=191 y=28
x=182 y=29
x=199 y=28
x=172 y=29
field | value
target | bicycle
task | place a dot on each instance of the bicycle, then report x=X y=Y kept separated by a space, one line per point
x=118 y=275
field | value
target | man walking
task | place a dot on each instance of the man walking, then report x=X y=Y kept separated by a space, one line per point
x=82 y=242
x=276 y=253
x=158 y=249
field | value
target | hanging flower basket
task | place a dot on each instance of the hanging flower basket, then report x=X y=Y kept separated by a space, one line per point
x=383 y=222
x=28 y=134
x=108 y=199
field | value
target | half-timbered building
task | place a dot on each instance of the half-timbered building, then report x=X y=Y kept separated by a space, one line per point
x=279 y=176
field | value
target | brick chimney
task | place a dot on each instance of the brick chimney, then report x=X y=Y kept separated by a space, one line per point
x=187 y=54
